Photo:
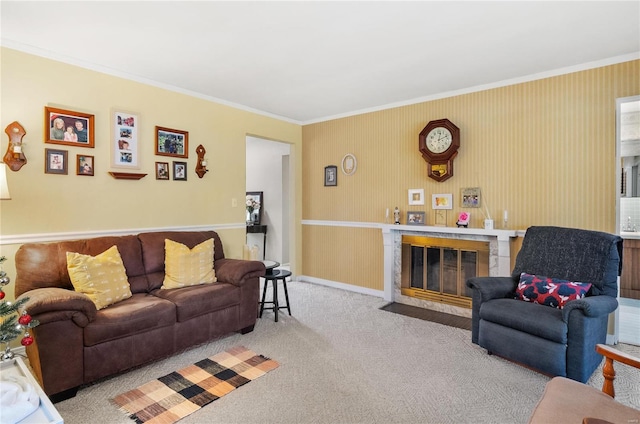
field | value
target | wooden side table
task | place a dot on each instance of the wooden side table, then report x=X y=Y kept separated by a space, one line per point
x=46 y=412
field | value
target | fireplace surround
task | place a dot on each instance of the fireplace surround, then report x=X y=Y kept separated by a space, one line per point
x=499 y=263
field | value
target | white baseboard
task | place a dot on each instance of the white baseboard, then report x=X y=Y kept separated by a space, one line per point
x=343 y=286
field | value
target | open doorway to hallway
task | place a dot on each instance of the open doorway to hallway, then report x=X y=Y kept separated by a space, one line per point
x=268 y=171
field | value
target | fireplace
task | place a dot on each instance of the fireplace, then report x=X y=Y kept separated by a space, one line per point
x=427 y=294
x=436 y=269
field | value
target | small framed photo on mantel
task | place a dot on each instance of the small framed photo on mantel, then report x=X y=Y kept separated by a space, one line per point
x=415 y=218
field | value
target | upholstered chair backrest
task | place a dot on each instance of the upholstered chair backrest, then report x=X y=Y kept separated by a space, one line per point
x=572 y=254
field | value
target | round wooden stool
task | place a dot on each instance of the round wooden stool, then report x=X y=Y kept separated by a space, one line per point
x=274 y=276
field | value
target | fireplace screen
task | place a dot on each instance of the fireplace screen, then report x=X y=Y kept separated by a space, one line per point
x=436 y=269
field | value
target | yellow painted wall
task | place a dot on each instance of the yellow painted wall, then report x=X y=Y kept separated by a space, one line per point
x=45 y=203
x=543 y=150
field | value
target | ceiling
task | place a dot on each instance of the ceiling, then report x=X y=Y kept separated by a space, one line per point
x=312 y=61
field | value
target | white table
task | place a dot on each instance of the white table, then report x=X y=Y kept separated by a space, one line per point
x=46 y=412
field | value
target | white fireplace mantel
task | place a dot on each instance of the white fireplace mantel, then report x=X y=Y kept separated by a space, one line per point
x=499 y=247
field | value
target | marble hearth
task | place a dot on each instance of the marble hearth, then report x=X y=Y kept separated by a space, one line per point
x=499 y=259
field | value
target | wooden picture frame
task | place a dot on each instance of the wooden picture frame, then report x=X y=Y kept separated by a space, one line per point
x=55 y=161
x=170 y=142
x=330 y=176
x=124 y=140
x=179 y=171
x=162 y=170
x=255 y=202
x=416 y=217
x=68 y=127
x=349 y=164
x=84 y=165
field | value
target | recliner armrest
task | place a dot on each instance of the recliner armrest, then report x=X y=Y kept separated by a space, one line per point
x=592 y=306
x=493 y=287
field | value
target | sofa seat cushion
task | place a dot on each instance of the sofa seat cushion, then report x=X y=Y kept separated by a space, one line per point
x=194 y=301
x=530 y=318
x=138 y=314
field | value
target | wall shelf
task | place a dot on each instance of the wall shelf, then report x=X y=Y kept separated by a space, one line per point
x=126 y=176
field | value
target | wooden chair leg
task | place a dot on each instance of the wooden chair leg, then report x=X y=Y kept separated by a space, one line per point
x=609 y=375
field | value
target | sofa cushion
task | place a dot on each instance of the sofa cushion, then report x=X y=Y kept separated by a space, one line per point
x=140 y=313
x=194 y=301
x=528 y=317
x=188 y=267
x=102 y=277
x=549 y=291
x=153 y=248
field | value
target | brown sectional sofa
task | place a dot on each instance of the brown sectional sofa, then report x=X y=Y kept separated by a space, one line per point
x=76 y=344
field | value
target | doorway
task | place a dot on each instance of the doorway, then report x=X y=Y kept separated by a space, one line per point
x=628 y=216
x=269 y=171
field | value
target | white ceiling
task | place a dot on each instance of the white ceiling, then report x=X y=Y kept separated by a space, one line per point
x=312 y=61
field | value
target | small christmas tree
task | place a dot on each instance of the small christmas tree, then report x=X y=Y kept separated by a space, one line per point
x=14 y=322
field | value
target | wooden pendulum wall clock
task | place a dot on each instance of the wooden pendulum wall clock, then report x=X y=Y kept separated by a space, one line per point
x=439 y=143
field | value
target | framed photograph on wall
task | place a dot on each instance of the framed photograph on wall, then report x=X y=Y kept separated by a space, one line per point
x=84 y=165
x=330 y=176
x=171 y=142
x=162 y=170
x=442 y=201
x=55 y=161
x=416 y=196
x=68 y=127
x=415 y=218
x=124 y=140
x=180 y=171
x=471 y=197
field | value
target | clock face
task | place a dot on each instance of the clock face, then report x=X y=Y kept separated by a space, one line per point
x=438 y=140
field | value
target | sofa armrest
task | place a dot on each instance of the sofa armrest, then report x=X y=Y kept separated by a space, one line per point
x=237 y=271
x=592 y=306
x=492 y=287
x=56 y=304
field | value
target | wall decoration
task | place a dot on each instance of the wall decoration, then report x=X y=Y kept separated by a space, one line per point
x=124 y=140
x=14 y=158
x=463 y=219
x=415 y=218
x=172 y=142
x=330 y=176
x=442 y=201
x=349 y=164
x=471 y=197
x=55 y=161
x=440 y=218
x=180 y=171
x=162 y=170
x=253 y=204
x=68 y=127
x=416 y=196
x=84 y=165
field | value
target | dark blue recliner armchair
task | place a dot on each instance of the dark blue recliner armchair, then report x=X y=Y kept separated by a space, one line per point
x=557 y=342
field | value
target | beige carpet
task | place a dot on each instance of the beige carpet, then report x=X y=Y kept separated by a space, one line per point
x=343 y=360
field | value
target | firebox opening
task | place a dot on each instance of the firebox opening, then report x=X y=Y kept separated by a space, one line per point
x=436 y=269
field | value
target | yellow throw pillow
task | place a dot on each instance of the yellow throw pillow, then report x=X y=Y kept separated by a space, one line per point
x=188 y=267
x=102 y=277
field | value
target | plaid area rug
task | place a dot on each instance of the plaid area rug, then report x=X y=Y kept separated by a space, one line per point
x=176 y=395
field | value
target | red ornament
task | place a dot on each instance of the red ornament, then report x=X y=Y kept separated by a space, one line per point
x=26 y=341
x=24 y=319
x=1 y=295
